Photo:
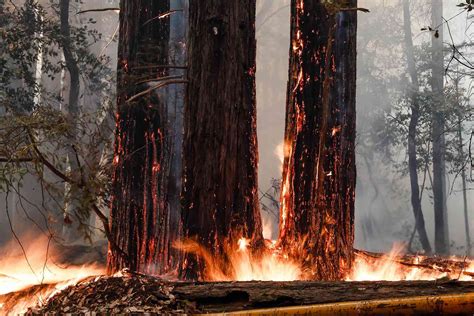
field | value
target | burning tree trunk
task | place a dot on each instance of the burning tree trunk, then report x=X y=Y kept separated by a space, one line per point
x=220 y=197
x=317 y=202
x=412 y=129
x=139 y=208
x=438 y=132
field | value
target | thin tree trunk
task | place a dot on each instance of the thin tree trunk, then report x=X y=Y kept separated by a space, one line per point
x=176 y=95
x=438 y=131
x=462 y=158
x=139 y=211
x=412 y=131
x=220 y=196
x=73 y=214
x=317 y=201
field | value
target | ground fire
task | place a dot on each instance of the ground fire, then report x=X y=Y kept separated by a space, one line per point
x=163 y=211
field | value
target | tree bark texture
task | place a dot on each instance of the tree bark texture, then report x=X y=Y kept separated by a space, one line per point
x=317 y=201
x=139 y=210
x=438 y=131
x=412 y=131
x=220 y=197
x=234 y=296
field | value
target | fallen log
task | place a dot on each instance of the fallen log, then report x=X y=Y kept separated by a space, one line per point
x=136 y=293
x=237 y=296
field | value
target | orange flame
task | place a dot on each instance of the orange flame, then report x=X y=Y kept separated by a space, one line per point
x=388 y=268
x=244 y=266
x=16 y=273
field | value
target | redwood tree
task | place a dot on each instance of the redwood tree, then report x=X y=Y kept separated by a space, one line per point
x=319 y=176
x=220 y=197
x=139 y=219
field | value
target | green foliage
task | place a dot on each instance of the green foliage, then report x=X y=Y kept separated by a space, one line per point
x=35 y=131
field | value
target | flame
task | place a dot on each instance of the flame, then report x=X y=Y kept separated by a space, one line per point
x=244 y=266
x=389 y=268
x=282 y=151
x=267 y=228
x=41 y=270
x=271 y=267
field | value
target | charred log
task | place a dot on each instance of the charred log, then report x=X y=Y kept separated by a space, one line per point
x=139 y=293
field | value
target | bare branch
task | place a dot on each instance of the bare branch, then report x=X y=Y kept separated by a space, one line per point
x=160 y=85
x=98 y=10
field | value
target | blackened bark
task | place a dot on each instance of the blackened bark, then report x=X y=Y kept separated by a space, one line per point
x=317 y=202
x=412 y=131
x=220 y=197
x=438 y=132
x=139 y=219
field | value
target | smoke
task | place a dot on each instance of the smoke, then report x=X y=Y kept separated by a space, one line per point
x=383 y=210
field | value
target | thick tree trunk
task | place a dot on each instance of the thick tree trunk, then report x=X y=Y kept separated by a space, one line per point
x=220 y=197
x=438 y=132
x=317 y=213
x=139 y=218
x=412 y=131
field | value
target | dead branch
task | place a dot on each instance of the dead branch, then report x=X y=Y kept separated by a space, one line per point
x=98 y=10
x=160 y=85
x=161 y=16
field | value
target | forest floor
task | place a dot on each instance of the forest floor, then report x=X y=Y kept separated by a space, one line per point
x=137 y=293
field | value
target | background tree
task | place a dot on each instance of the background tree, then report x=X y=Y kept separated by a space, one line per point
x=412 y=131
x=220 y=196
x=36 y=133
x=439 y=126
x=317 y=201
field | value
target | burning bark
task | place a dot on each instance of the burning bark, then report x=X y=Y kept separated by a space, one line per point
x=220 y=197
x=139 y=212
x=317 y=201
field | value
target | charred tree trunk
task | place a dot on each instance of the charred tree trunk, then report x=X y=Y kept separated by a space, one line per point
x=412 y=131
x=438 y=131
x=317 y=202
x=139 y=218
x=220 y=197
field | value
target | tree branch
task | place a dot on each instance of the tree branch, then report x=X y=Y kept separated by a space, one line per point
x=98 y=10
